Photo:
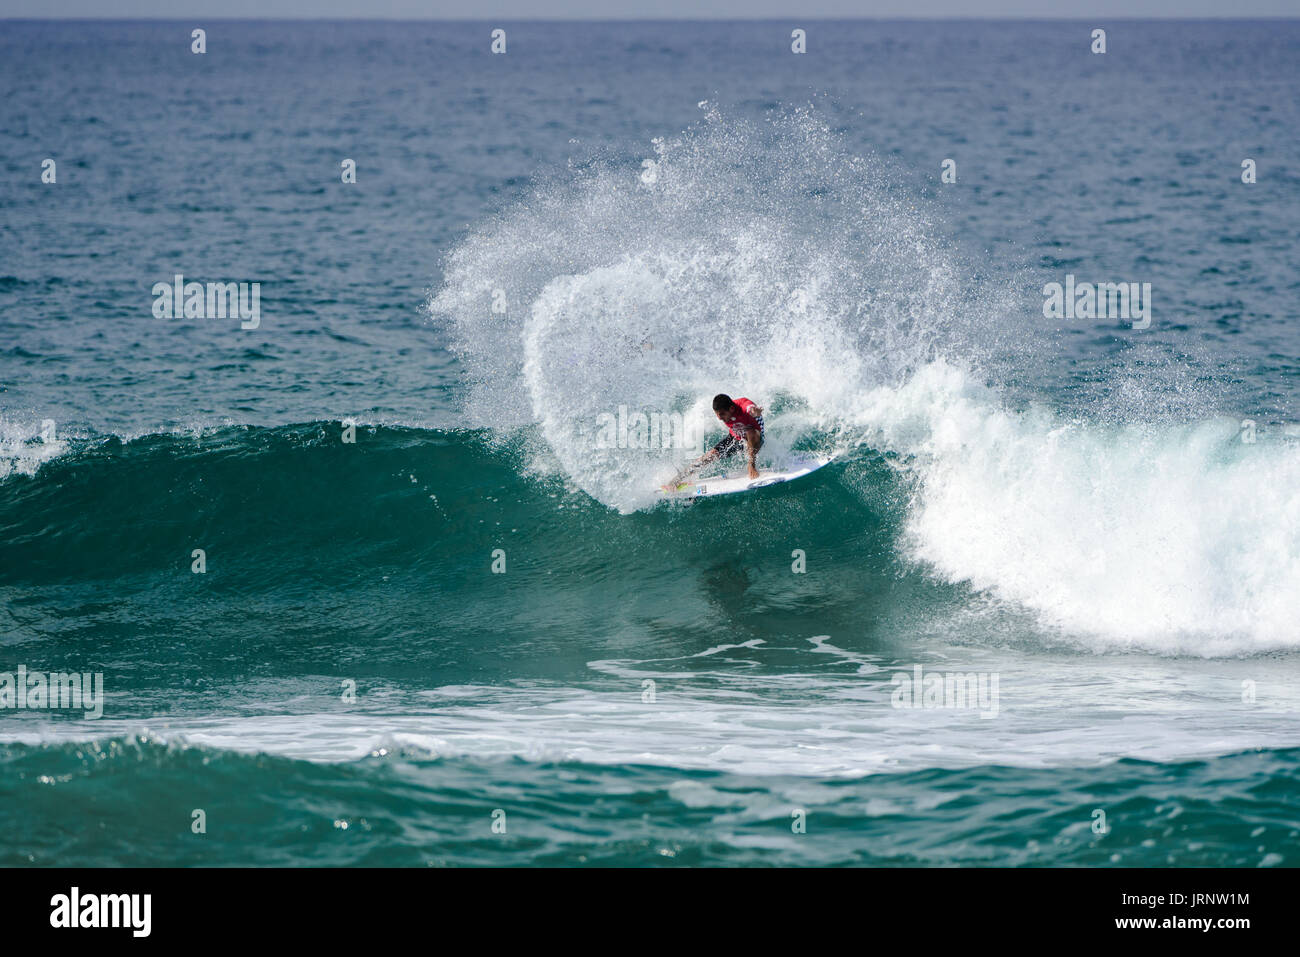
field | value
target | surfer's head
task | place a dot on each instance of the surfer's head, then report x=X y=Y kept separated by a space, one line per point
x=722 y=406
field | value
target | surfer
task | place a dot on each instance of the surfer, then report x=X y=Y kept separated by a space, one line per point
x=744 y=422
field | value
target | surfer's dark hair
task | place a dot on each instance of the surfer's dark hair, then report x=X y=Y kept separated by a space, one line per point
x=722 y=402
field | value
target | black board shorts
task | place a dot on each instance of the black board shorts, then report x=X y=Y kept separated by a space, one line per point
x=730 y=445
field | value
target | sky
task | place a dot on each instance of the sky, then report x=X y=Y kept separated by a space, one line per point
x=643 y=9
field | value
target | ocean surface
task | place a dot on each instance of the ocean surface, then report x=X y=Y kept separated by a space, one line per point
x=375 y=581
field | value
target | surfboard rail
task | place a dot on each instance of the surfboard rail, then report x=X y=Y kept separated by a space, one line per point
x=797 y=467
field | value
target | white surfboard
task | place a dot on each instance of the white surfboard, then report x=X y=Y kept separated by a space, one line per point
x=796 y=467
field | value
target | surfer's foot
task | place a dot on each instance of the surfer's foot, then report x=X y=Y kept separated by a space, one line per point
x=753 y=472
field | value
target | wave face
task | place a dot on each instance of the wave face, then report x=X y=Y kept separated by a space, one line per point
x=1173 y=540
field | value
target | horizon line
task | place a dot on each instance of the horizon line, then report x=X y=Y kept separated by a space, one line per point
x=642 y=19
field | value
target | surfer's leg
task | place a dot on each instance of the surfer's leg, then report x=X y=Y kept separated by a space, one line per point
x=703 y=460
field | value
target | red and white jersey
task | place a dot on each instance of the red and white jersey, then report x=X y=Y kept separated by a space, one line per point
x=746 y=418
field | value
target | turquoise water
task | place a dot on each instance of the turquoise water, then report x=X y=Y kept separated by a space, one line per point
x=440 y=621
x=404 y=808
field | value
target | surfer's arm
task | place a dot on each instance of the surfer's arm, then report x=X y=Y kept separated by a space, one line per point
x=753 y=439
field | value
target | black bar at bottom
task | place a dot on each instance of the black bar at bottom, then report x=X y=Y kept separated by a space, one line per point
x=337 y=907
